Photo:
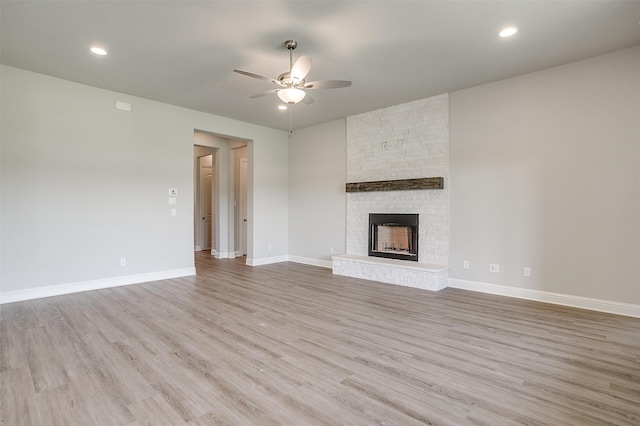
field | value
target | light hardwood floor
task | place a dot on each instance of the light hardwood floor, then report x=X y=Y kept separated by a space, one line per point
x=293 y=344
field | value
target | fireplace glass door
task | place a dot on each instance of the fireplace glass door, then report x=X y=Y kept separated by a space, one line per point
x=393 y=236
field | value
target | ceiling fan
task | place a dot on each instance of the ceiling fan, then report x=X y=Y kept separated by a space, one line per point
x=292 y=84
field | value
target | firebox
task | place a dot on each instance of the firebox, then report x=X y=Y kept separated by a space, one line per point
x=394 y=236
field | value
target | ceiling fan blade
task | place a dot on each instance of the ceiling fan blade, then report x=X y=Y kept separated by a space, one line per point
x=301 y=68
x=308 y=100
x=327 y=84
x=268 y=92
x=258 y=76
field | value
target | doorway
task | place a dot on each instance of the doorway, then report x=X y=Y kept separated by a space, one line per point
x=221 y=204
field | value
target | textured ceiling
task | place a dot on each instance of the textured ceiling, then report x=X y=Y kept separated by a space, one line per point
x=183 y=52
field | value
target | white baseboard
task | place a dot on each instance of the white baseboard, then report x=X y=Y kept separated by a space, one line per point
x=311 y=261
x=60 y=289
x=266 y=260
x=198 y=248
x=288 y=258
x=608 y=306
x=224 y=255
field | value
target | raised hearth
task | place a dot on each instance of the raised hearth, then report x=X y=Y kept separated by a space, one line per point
x=392 y=271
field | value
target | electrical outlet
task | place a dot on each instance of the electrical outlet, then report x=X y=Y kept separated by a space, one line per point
x=123 y=261
x=173 y=212
x=495 y=268
x=527 y=271
x=465 y=264
x=269 y=247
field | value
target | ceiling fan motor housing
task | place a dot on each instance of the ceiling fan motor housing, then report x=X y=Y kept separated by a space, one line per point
x=285 y=79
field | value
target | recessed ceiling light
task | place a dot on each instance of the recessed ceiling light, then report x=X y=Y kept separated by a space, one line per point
x=282 y=107
x=508 y=32
x=98 y=51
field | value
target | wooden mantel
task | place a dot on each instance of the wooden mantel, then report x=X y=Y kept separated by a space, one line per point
x=397 y=185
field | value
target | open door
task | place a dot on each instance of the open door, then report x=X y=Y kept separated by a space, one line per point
x=206 y=201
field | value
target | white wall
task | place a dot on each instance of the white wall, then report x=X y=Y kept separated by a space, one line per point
x=317 y=200
x=545 y=173
x=268 y=213
x=84 y=185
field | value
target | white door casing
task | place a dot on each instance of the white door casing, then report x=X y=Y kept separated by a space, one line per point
x=243 y=206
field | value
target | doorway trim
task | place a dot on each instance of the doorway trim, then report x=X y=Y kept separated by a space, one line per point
x=242 y=207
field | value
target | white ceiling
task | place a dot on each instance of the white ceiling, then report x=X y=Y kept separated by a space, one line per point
x=183 y=52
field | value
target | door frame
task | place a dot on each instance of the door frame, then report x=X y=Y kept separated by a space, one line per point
x=243 y=215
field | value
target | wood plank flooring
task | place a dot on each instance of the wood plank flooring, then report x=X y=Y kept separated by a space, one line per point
x=290 y=344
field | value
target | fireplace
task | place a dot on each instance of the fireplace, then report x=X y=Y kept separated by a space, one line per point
x=394 y=236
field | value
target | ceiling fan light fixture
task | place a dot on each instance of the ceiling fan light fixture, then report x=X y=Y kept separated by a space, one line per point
x=291 y=95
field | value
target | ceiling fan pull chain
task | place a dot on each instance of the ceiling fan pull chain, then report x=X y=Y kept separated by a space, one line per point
x=290 y=120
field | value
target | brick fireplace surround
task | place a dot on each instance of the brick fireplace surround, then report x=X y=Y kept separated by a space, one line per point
x=405 y=141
